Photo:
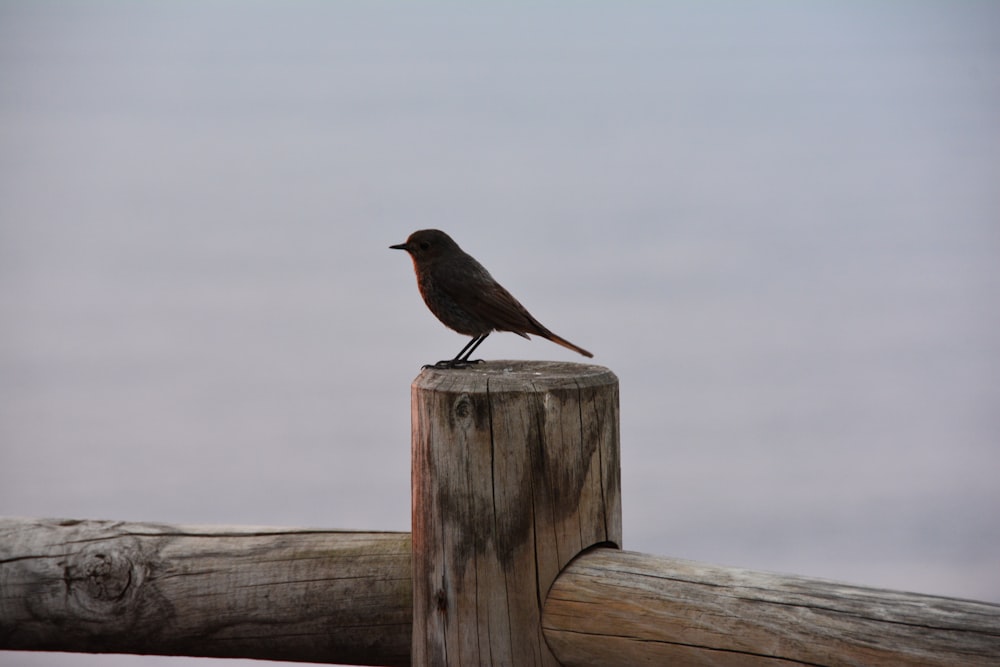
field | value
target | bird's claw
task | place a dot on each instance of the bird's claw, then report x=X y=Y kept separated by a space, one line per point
x=453 y=363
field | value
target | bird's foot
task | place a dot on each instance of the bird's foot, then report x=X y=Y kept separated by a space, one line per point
x=453 y=363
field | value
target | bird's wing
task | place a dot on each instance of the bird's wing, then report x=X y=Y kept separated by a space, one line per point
x=503 y=311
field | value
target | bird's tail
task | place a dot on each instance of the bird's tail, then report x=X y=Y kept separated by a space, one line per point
x=565 y=343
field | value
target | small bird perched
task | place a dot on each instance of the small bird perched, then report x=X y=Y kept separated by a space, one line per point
x=465 y=297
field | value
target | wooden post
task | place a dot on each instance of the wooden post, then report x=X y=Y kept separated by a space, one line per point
x=515 y=472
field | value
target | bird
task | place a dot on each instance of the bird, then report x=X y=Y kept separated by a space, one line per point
x=465 y=297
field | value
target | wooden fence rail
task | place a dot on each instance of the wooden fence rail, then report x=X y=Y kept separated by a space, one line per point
x=624 y=608
x=340 y=597
x=217 y=591
x=513 y=560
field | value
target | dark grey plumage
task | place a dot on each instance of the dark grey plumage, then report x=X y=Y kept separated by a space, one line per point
x=465 y=297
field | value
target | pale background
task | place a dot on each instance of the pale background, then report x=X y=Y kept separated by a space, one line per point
x=778 y=223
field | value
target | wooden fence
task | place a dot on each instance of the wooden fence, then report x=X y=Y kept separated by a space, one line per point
x=513 y=560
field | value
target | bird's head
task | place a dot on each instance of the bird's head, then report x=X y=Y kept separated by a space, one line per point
x=427 y=245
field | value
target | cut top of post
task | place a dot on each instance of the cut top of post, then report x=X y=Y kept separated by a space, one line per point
x=508 y=375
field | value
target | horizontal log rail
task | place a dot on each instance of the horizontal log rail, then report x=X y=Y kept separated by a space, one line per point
x=344 y=597
x=218 y=591
x=625 y=608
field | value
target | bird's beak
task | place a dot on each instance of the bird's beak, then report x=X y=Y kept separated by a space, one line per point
x=400 y=246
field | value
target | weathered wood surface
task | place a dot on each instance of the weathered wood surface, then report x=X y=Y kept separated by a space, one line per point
x=613 y=608
x=270 y=593
x=325 y=596
x=515 y=472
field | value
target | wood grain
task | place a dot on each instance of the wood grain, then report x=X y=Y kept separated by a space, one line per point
x=515 y=471
x=612 y=608
x=268 y=593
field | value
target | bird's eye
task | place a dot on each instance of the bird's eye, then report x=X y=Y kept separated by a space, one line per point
x=424 y=245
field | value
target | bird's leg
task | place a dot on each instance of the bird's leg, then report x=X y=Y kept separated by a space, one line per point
x=461 y=359
x=470 y=348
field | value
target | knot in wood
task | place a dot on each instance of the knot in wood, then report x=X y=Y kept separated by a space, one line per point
x=102 y=578
x=470 y=411
x=106 y=576
x=463 y=407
